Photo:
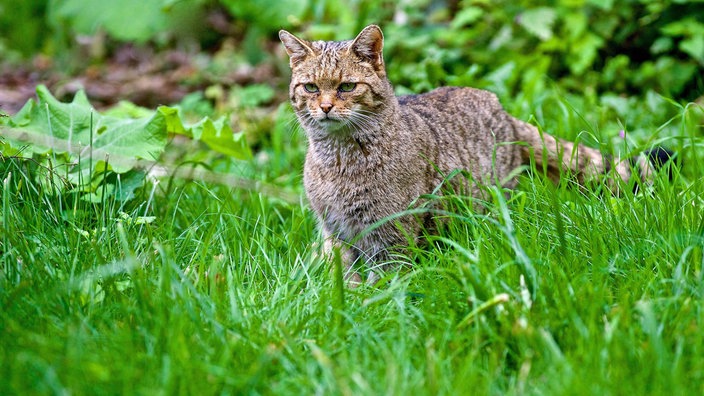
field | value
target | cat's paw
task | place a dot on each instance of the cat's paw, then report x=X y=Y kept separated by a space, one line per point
x=353 y=279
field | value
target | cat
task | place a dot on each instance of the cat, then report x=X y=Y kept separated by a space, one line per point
x=371 y=154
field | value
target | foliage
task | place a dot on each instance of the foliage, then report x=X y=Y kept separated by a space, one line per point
x=56 y=27
x=17 y=34
x=125 y=20
x=204 y=288
x=630 y=46
x=91 y=147
x=620 y=47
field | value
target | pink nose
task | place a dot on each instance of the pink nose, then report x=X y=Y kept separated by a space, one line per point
x=326 y=107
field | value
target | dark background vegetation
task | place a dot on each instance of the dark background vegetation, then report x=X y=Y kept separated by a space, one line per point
x=157 y=51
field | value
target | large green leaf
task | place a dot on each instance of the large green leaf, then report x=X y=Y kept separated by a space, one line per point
x=217 y=134
x=90 y=146
x=78 y=129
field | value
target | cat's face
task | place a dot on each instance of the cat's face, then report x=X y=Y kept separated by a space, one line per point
x=337 y=86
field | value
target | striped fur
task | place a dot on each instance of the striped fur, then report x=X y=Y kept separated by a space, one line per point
x=371 y=154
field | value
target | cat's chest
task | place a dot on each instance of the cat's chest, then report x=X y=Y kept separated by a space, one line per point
x=351 y=198
x=345 y=187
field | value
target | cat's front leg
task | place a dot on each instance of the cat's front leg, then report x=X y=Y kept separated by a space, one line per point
x=334 y=248
x=382 y=249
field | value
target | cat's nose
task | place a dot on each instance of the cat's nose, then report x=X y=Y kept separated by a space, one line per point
x=326 y=107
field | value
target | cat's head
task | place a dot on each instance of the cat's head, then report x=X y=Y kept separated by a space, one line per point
x=337 y=85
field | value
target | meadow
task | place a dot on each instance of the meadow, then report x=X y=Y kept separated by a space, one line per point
x=208 y=287
x=199 y=288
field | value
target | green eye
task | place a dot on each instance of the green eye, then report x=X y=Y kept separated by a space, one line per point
x=347 y=87
x=311 y=88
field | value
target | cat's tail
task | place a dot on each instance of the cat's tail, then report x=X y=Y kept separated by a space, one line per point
x=558 y=157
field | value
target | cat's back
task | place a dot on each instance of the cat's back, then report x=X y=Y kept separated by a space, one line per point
x=452 y=102
x=463 y=128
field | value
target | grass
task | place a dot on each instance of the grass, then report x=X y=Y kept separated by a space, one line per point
x=202 y=289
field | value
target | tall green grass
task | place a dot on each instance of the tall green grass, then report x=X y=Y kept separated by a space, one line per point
x=195 y=288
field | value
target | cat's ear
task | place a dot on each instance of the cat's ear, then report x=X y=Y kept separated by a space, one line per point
x=369 y=45
x=297 y=49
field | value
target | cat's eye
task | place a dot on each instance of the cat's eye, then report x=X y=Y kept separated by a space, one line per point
x=312 y=88
x=347 y=87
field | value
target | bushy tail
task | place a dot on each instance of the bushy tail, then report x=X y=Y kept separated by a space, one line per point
x=559 y=157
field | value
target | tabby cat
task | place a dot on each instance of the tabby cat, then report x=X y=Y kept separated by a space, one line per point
x=372 y=154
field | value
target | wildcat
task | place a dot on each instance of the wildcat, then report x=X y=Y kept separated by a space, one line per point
x=371 y=154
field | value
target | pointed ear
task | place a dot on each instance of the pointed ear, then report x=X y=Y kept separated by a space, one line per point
x=369 y=45
x=297 y=49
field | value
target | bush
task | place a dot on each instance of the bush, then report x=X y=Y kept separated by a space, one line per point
x=630 y=46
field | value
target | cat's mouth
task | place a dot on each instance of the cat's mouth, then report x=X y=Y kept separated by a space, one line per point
x=331 y=124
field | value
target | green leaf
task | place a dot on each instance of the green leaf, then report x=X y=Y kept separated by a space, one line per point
x=174 y=125
x=125 y=109
x=466 y=17
x=583 y=52
x=218 y=134
x=619 y=104
x=255 y=95
x=538 y=22
x=661 y=45
x=694 y=47
x=127 y=184
x=100 y=194
x=68 y=128
x=685 y=27
x=93 y=146
x=673 y=74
